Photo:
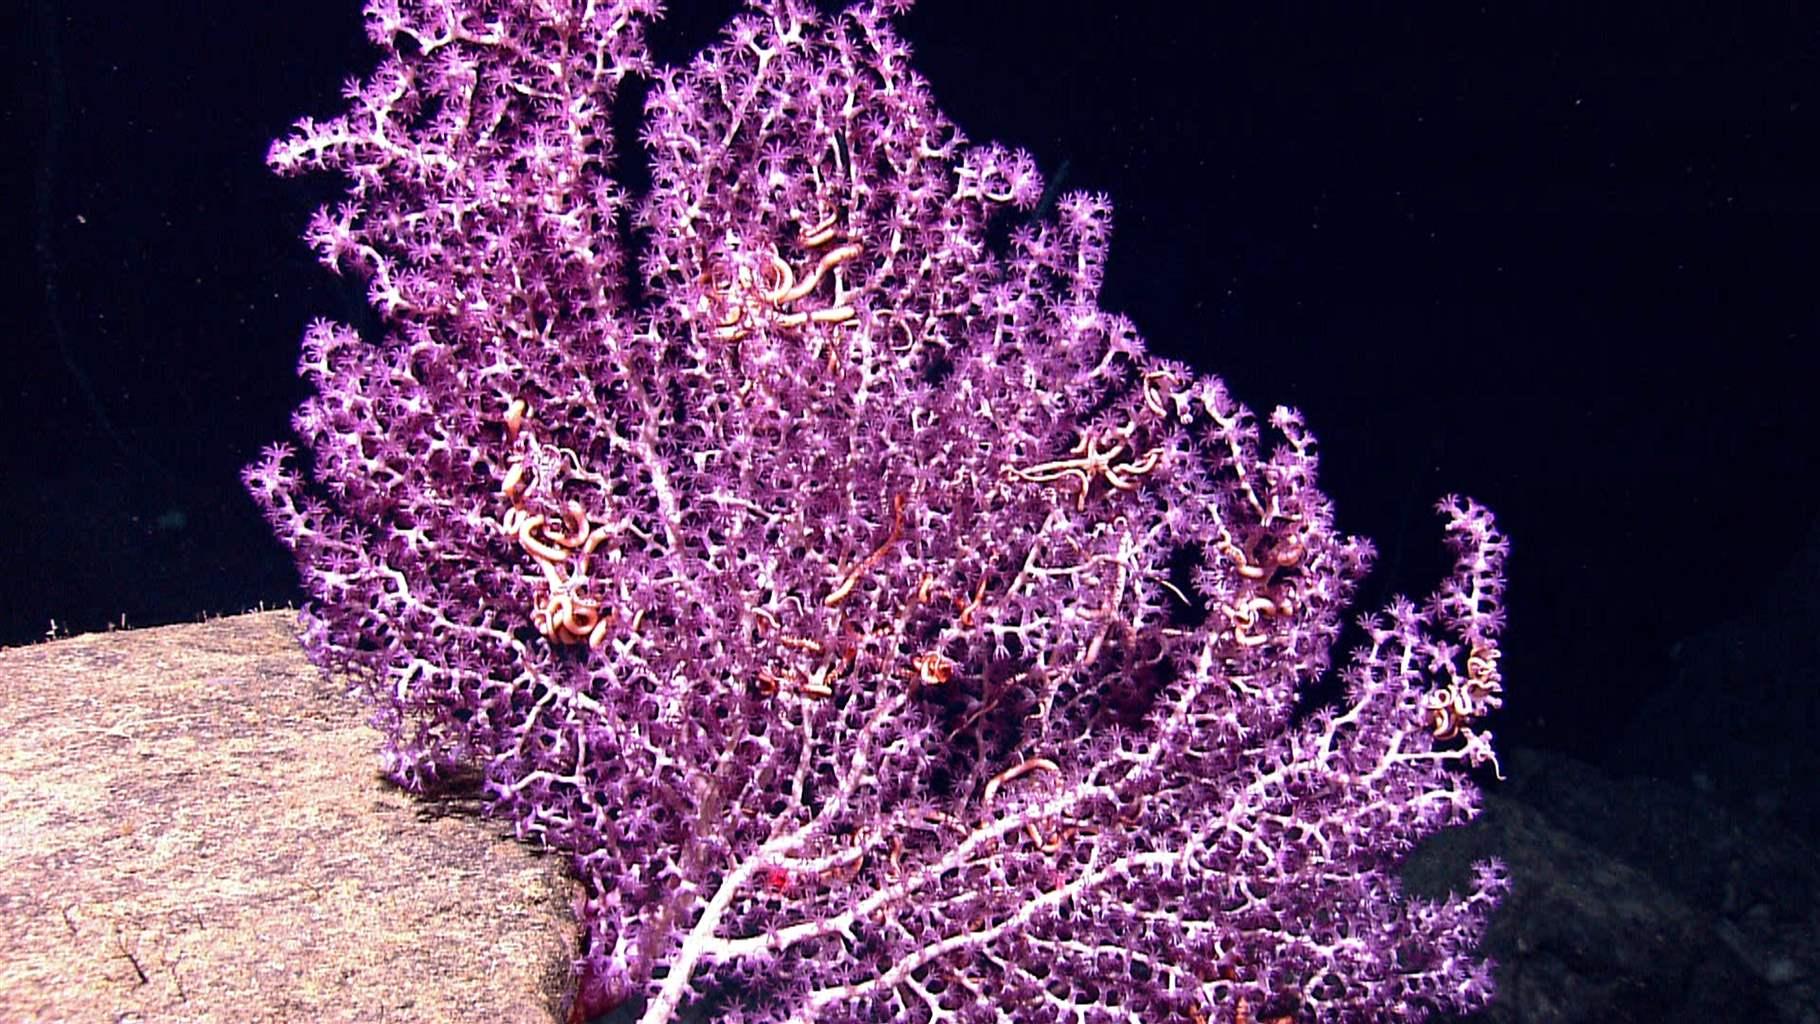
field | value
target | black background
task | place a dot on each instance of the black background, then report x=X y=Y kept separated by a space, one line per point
x=1556 y=256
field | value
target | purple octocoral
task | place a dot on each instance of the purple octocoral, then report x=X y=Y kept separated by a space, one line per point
x=884 y=634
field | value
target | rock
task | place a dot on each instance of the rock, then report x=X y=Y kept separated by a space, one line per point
x=1739 y=716
x=192 y=828
x=1635 y=901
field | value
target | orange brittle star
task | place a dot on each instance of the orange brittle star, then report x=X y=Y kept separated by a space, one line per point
x=1093 y=457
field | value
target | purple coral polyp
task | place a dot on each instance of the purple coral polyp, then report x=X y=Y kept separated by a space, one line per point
x=883 y=633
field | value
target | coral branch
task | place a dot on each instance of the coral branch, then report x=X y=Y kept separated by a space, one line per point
x=1043 y=746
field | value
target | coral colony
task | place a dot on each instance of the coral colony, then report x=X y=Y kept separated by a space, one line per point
x=882 y=632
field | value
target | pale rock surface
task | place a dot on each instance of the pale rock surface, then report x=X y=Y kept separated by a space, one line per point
x=192 y=828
